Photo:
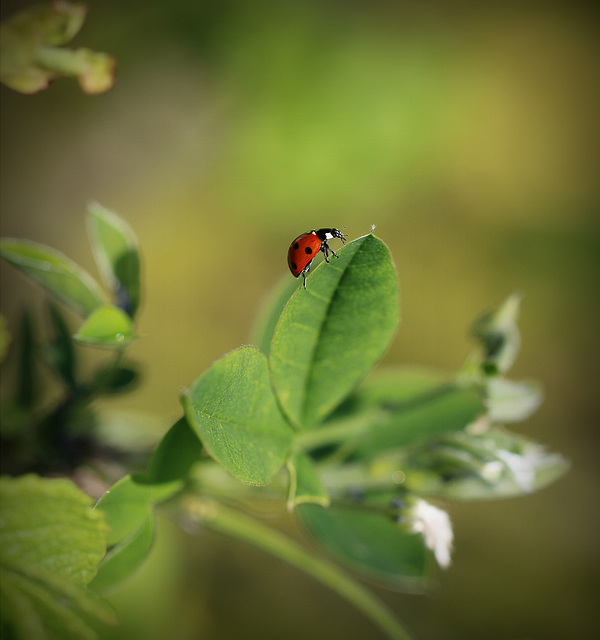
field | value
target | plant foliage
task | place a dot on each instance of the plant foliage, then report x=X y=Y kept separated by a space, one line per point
x=354 y=455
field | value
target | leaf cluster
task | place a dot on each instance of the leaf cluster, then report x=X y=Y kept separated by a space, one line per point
x=297 y=417
x=53 y=429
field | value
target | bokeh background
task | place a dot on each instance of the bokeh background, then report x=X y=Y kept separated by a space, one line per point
x=468 y=132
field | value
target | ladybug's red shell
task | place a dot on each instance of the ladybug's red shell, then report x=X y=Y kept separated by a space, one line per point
x=302 y=251
x=305 y=247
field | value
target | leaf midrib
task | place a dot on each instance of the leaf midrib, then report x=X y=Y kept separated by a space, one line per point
x=311 y=367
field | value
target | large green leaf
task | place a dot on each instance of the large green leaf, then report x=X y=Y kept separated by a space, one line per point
x=116 y=251
x=369 y=542
x=59 y=275
x=50 y=544
x=269 y=312
x=332 y=333
x=233 y=410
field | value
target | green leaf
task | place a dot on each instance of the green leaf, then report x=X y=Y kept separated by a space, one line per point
x=406 y=406
x=499 y=336
x=125 y=557
x=331 y=334
x=116 y=251
x=50 y=544
x=509 y=401
x=269 y=312
x=129 y=509
x=60 y=353
x=483 y=465
x=107 y=327
x=233 y=410
x=94 y=70
x=129 y=503
x=50 y=524
x=370 y=543
x=175 y=454
x=23 y=33
x=66 y=281
x=30 y=55
x=305 y=485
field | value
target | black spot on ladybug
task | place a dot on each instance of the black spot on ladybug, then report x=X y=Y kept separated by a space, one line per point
x=308 y=250
x=293 y=265
x=296 y=247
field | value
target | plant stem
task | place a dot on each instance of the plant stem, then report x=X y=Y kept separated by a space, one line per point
x=234 y=524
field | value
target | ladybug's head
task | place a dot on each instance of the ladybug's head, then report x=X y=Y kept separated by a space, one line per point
x=329 y=234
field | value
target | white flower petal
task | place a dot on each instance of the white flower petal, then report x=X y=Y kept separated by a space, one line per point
x=435 y=527
x=523 y=466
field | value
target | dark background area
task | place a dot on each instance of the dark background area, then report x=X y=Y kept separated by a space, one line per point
x=467 y=132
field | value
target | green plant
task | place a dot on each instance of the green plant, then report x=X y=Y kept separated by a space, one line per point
x=33 y=55
x=297 y=418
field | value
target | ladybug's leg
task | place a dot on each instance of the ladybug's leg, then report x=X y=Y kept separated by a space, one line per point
x=304 y=272
x=326 y=249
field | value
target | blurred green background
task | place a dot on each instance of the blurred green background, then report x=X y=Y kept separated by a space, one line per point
x=467 y=132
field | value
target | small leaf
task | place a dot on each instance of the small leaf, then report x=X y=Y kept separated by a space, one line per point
x=509 y=401
x=175 y=454
x=305 y=485
x=232 y=409
x=129 y=509
x=270 y=311
x=370 y=543
x=125 y=557
x=108 y=327
x=31 y=56
x=61 y=277
x=499 y=336
x=116 y=251
x=331 y=334
x=94 y=70
x=129 y=502
x=50 y=544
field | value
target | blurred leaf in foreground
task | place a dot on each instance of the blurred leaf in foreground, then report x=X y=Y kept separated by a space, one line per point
x=50 y=544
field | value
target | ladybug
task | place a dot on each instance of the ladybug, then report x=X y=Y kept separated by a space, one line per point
x=304 y=248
